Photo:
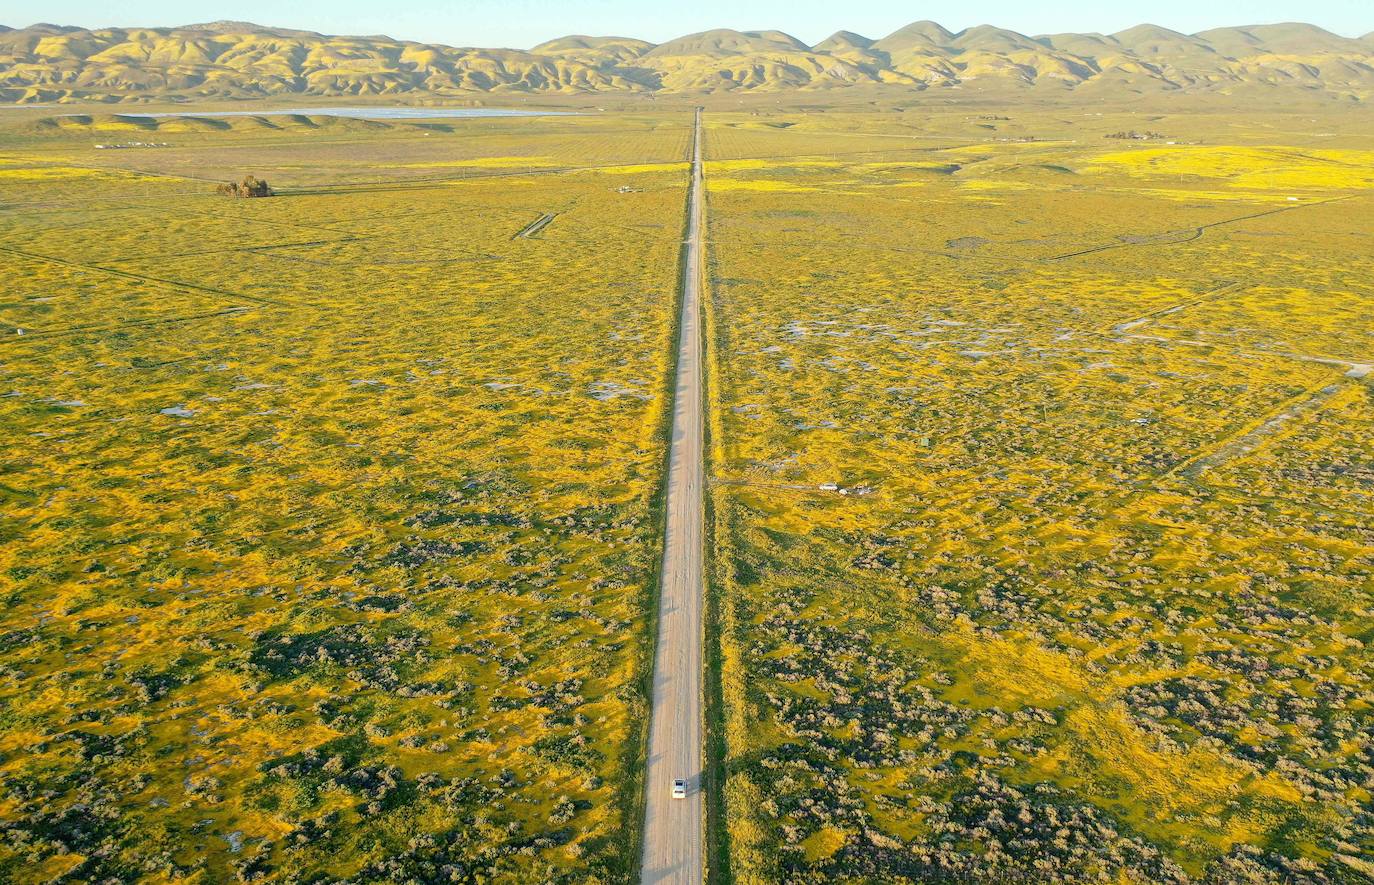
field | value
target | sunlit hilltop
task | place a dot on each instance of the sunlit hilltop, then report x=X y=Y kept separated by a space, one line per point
x=46 y=63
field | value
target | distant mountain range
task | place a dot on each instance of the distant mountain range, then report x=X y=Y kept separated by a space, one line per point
x=50 y=63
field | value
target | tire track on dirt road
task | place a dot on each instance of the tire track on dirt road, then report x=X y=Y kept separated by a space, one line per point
x=674 y=827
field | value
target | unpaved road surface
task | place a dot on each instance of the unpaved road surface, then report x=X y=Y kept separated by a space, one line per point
x=673 y=828
x=534 y=227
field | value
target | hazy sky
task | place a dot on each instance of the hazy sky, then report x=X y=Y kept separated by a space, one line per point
x=523 y=23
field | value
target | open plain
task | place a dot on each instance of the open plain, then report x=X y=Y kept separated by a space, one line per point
x=1042 y=495
x=1038 y=480
x=329 y=532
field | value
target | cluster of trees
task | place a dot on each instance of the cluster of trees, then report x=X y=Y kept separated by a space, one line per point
x=249 y=187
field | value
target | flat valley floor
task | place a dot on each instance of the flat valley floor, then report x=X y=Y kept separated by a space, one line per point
x=1039 y=473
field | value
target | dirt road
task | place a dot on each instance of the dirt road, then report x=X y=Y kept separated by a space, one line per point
x=534 y=227
x=673 y=828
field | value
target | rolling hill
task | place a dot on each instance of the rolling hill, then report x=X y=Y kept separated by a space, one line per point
x=235 y=60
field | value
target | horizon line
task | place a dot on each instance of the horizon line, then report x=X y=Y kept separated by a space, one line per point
x=623 y=36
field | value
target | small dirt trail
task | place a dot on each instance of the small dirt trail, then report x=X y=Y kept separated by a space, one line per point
x=1130 y=325
x=1188 y=235
x=1247 y=440
x=177 y=284
x=534 y=227
x=674 y=828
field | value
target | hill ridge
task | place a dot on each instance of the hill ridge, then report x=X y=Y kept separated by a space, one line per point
x=228 y=59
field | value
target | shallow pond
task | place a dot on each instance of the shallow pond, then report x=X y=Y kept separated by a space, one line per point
x=381 y=113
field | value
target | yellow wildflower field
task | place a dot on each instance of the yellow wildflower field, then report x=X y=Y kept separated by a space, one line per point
x=1040 y=507
x=329 y=520
x=1039 y=489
